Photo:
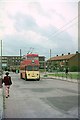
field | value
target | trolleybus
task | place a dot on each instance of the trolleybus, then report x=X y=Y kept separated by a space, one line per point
x=29 y=67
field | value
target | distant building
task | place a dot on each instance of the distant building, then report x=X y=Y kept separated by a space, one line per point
x=10 y=62
x=60 y=63
x=13 y=62
x=42 y=61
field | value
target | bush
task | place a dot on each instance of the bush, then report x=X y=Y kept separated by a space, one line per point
x=74 y=69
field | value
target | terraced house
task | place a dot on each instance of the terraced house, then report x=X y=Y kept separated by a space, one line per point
x=60 y=63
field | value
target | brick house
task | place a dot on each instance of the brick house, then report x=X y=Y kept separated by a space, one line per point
x=60 y=63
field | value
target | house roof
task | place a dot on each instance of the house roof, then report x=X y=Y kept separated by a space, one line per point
x=63 y=57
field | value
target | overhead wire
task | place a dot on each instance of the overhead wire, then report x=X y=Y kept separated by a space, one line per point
x=64 y=26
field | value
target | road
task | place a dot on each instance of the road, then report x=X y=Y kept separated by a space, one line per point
x=47 y=98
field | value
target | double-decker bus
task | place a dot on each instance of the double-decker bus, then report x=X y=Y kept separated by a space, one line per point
x=29 y=67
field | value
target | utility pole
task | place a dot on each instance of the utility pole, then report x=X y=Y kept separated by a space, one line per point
x=1 y=57
x=1 y=66
x=50 y=59
x=20 y=54
x=50 y=53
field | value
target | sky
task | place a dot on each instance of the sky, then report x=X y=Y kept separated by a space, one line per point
x=38 y=26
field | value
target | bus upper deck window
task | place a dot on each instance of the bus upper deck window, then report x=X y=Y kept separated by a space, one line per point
x=35 y=58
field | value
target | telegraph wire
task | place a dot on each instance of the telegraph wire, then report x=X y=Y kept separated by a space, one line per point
x=64 y=26
x=61 y=28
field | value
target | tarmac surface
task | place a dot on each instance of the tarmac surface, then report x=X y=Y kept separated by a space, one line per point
x=40 y=99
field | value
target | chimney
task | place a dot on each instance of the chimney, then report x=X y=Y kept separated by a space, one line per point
x=68 y=53
x=62 y=54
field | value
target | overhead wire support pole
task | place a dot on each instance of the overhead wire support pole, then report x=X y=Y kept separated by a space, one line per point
x=50 y=53
x=1 y=56
x=50 y=59
x=1 y=66
x=20 y=54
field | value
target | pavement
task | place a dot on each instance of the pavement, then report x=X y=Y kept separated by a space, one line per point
x=1 y=103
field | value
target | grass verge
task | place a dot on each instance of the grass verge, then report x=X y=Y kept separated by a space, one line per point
x=71 y=76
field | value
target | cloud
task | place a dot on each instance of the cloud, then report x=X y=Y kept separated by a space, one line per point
x=24 y=22
x=43 y=25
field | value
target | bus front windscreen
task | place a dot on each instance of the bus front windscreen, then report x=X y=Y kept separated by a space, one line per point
x=29 y=68
x=36 y=68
